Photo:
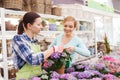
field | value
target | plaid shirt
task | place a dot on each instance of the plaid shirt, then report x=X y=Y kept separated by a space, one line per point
x=22 y=52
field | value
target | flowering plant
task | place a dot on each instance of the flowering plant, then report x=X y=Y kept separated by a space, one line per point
x=112 y=64
x=77 y=67
x=81 y=71
x=56 y=61
x=56 y=76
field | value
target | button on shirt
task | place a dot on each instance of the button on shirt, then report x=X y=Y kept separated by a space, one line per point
x=22 y=52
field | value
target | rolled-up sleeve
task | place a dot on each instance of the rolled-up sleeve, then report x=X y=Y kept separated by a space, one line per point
x=38 y=57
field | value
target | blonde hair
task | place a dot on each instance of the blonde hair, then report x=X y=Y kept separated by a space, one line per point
x=70 y=18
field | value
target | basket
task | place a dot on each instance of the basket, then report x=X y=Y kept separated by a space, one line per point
x=1 y=3
x=37 y=1
x=57 y=11
x=13 y=4
x=48 y=9
x=38 y=8
x=50 y=2
x=26 y=6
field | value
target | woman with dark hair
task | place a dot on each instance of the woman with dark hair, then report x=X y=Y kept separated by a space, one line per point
x=27 y=55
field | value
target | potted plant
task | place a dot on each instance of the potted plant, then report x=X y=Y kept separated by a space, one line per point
x=56 y=62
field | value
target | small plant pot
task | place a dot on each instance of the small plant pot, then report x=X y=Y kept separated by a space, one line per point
x=61 y=70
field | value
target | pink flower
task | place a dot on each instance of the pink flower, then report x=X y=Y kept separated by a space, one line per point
x=108 y=58
x=114 y=66
x=45 y=64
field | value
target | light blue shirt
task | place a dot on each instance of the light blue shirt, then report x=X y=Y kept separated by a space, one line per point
x=76 y=42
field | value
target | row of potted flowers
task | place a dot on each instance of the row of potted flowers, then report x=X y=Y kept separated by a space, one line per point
x=107 y=68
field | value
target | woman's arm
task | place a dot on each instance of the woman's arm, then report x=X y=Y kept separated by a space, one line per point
x=24 y=51
x=82 y=49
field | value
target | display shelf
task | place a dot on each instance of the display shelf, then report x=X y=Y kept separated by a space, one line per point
x=21 y=13
x=8 y=34
x=4 y=48
x=86 y=20
x=55 y=32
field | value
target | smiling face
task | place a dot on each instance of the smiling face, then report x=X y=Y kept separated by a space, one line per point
x=69 y=27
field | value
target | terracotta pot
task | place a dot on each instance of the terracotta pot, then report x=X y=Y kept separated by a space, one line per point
x=61 y=70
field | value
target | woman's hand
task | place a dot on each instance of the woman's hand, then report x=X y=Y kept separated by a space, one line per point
x=70 y=49
x=58 y=48
x=53 y=49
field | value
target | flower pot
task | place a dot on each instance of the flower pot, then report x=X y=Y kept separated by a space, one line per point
x=61 y=70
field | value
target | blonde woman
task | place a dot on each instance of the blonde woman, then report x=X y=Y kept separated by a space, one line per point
x=72 y=43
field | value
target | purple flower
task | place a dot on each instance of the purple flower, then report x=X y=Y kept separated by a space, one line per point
x=74 y=73
x=86 y=66
x=47 y=64
x=109 y=77
x=85 y=74
x=79 y=66
x=96 y=73
x=54 y=75
x=88 y=74
x=54 y=79
x=57 y=60
x=50 y=63
x=80 y=75
x=69 y=70
x=55 y=55
x=63 y=76
x=96 y=79
x=99 y=66
x=67 y=77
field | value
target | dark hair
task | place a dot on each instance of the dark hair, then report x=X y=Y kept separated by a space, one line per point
x=27 y=18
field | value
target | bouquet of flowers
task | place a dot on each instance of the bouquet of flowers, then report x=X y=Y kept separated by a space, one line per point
x=56 y=61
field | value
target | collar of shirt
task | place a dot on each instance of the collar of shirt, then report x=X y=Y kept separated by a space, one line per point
x=28 y=39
